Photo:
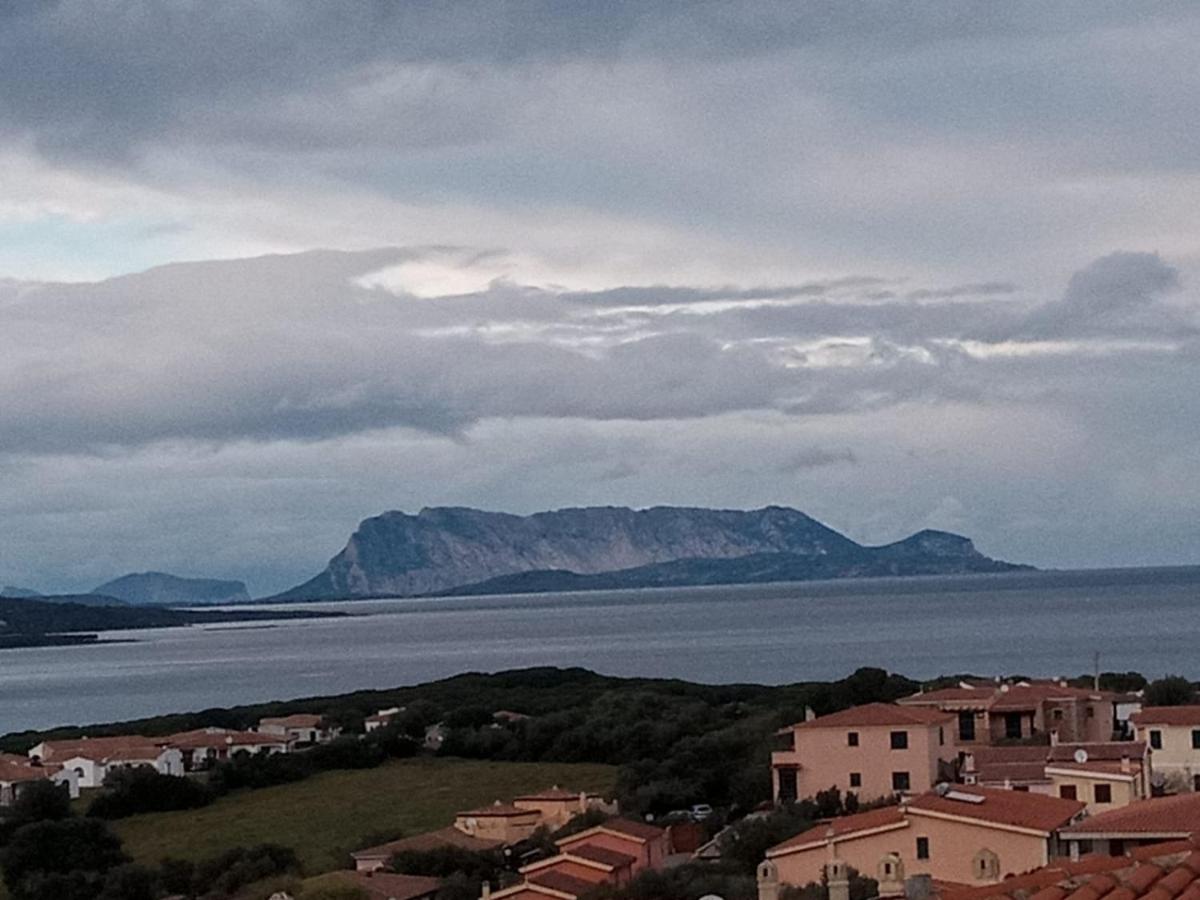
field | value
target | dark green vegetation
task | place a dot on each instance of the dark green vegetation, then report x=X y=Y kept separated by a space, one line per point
x=456 y=550
x=42 y=622
x=1174 y=690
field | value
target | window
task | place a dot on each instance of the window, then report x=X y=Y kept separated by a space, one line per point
x=1196 y=739
x=1021 y=788
x=856 y=779
x=852 y=739
x=1012 y=725
x=900 y=781
x=1104 y=793
x=788 y=787
x=966 y=726
x=1116 y=848
x=1067 y=791
x=1156 y=740
x=1091 y=712
x=941 y=736
x=899 y=740
x=922 y=848
x=1057 y=715
x=1196 y=783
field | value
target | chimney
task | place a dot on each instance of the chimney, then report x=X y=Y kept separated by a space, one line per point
x=838 y=879
x=583 y=801
x=890 y=877
x=1054 y=738
x=486 y=891
x=1126 y=765
x=768 y=881
x=809 y=714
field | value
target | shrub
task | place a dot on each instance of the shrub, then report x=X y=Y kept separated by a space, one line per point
x=142 y=789
x=80 y=850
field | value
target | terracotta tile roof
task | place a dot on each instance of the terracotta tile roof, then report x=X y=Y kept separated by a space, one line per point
x=125 y=747
x=14 y=769
x=219 y=737
x=430 y=840
x=602 y=855
x=1017 y=763
x=841 y=827
x=390 y=886
x=296 y=720
x=1012 y=697
x=1175 y=816
x=1109 y=751
x=877 y=714
x=1014 y=808
x=1167 y=715
x=953 y=694
x=638 y=831
x=561 y=881
x=1162 y=872
x=498 y=810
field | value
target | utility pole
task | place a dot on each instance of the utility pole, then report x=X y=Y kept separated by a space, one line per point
x=1096 y=671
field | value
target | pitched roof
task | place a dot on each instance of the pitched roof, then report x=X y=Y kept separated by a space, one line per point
x=638 y=831
x=561 y=881
x=1019 y=696
x=1163 y=816
x=390 y=886
x=219 y=737
x=872 y=714
x=1160 y=872
x=841 y=827
x=1012 y=808
x=296 y=720
x=1108 y=751
x=555 y=793
x=124 y=747
x=611 y=858
x=1167 y=715
x=1016 y=763
x=14 y=769
x=430 y=840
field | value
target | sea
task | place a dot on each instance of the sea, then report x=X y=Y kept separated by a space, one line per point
x=1046 y=623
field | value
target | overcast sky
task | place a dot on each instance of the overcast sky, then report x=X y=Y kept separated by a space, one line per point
x=268 y=268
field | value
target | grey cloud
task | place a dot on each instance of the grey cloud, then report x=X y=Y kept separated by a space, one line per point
x=983 y=289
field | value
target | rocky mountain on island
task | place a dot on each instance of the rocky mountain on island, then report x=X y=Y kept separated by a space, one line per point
x=20 y=592
x=161 y=589
x=458 y=550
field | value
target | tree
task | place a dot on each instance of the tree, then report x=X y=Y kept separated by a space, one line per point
x=41 y=801
x=129 y=882
x=142 y=789
x=1174 y=690
x=65 y=847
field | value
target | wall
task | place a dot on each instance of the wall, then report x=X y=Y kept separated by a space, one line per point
x=1176 y=758
x=1123 y=791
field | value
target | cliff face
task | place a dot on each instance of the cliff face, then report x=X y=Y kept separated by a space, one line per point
x=441 y=549
x=161 y=589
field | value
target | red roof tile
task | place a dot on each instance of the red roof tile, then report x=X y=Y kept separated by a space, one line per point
x=602 y=855
x=561 y=881
x=126 y=747
x=390 y=886
x=15 y=769
x=430 y=840
x=1015 y=808
x=499 y=810
x=877 y=714
x=296 y=720
x=1167 y=715
x=1178 y=815
x=843 y=826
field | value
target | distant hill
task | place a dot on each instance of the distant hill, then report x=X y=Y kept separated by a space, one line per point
x=9 y=591
x=161 y=589
x=459 y=550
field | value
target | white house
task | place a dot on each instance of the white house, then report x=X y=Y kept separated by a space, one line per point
x=203 y=747
x=92 y=759
x=299 y=728
x=17 y=772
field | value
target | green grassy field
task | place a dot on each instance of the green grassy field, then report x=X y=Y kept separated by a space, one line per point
x=325 y=817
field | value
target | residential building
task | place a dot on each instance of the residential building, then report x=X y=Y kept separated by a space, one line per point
x=1160 y=872
x=1141 y=824
x=381 y=719
x=647 y=844
x=968 y=835
x=386 y=885
x=299 y=728
x=990 y=712
x=92 y=759
x=557 y=806
x=18 y=772
x=1104 y=776
x=371 y=859
x=1173 y=733
x=501 y=822
x=874 y=751
x=205 y=747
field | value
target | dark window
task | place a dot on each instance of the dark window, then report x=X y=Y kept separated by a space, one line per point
x=966 y=726
x=1058 y=715
x=941 y=736
x=1021 y=788
x=1104 y=793
x=1067 y=791
x=1196 y=782
x=1091 y=712
x=1196 y=739
x=856 y=779
x=788 y=789
x=899 y=740
x=922 y=848
x=1085 y=847
x=1116 y=848
x=1012 y=725
x=900 y=781
x=1156 y=740
x=852 y=739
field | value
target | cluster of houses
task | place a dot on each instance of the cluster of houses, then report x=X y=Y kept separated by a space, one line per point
x=994 y=780
x=87 y=762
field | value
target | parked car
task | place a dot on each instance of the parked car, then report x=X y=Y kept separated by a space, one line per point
x=677 y=815
x=701 y=811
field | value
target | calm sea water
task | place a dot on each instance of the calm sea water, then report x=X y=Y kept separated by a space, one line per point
x=1044 y=623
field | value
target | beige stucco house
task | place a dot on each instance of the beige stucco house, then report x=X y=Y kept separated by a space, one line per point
x=968 y=835
x=557 y=806
x=873 y=751
x=1173 y=733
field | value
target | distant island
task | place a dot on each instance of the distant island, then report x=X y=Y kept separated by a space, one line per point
x=65 y=620
x=161 y=589
x=457 y=550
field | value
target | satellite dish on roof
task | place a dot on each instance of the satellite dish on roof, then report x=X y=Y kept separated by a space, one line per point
x=1081 y=756
x=941 y=789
